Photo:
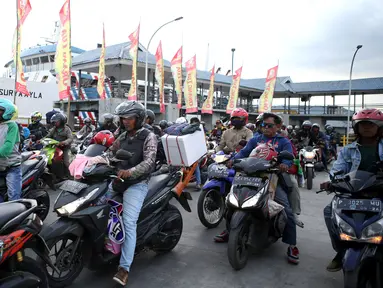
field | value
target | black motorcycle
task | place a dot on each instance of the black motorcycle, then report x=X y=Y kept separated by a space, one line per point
x=77 y=238
x=257 y=220
x=357 y=216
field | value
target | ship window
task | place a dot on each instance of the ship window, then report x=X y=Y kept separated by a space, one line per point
x=44 y=59
x=52 y=58
x=29 y=62
x=36 y=61
x=44 y=79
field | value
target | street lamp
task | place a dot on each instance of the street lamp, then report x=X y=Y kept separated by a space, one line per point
x=146 y=57
x=349 y=92
x=232 y=60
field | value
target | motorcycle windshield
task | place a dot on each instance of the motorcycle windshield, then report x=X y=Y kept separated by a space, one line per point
x=360 y=181
x=252 y=165
x=94 y=150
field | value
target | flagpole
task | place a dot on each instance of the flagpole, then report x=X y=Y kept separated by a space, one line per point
x=70 y=47
x=17 y=48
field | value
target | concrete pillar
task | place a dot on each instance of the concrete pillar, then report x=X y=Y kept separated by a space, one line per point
x=324 y=107
x=362 y=100
x=284 y=106
x=289 y=106
x=354 y=102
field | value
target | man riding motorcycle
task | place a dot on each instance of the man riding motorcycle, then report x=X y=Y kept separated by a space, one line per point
x=87 y=128
x=258 y=122
x=108 y=123
x=290 y=132
x=359 y=155
x=280 y=143
x=149 y=123
x=217 y=132
x=231 y=137
x=163 y=125
x=333 y=135
x=317 y=138
x=135 y=173
x=37 y=129
x=303 y=135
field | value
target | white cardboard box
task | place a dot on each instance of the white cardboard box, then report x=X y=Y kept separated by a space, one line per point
x=191 y=147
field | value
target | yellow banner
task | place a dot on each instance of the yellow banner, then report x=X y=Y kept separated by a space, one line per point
x=232 y=104
x=101 y=69
x=160 y=77
x=176 y=67
x=133 y=52
x=266 y=99
x=207 y=107
x=63 y=56
x=23 y=9
x=191 y=86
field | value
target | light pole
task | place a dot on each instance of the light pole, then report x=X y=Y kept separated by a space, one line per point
x=146 y=57
x=349 y=92
x=232 y=61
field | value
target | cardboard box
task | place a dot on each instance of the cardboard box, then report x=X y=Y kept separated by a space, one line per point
x=188 y=148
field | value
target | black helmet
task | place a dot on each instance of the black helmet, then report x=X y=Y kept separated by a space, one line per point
x=59 y=117
x=329 y=128
x=150 y=114
x=307 y=123
x=132 y=108
x=108 y=117
x=163 y=124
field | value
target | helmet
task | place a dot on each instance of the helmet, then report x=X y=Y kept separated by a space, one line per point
x=315 y=125
x=59 y=117
x=307 y=124
x=371 y=115
x=87 y=120
x=181 y=120
x=241 y=113
x=36 y=117
x=9 y=109
x=104 y=138
x=49 y=115
x=150 y=114
x=283 y=126
x=264 y=151
x=250 y=126
x=132 y=108
x=259 y=119
x=163 y=124
x=170 y=123
x=329 y=128
x=108 y=117
x=290 y=128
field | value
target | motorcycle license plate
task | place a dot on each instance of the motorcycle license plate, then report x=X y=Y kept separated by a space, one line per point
x=360 y=205
x=218 y=173
x=247 y=181
x=73 y=186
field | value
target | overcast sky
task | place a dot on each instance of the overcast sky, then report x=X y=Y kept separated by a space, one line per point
x=313 y=39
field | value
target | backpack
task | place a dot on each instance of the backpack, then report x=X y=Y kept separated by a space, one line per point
x=176 y=129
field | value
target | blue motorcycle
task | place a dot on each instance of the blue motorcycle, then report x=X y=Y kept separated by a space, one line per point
x=211 y=202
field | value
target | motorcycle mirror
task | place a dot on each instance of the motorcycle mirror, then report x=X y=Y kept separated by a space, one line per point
x=285 y=155
x=123 y=154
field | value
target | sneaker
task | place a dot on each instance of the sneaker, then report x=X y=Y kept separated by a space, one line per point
x=223 y=237
x=336 y=264
x=198 y=187
x=121 y=276
x=298 y=221
x=293 y=255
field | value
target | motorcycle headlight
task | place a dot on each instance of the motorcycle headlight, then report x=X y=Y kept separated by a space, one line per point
x=309 y=155
x=347 y=233
x=253 y=200
x=231 y=198
x=72 y=207
x=373 y=233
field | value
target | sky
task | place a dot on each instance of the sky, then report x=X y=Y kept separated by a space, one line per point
x=312 y=40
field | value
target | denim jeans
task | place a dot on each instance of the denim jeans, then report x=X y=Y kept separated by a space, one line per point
x=290 y=232
x=13 y=179
x=197 y=174
x=133 y=199
x=294 y=196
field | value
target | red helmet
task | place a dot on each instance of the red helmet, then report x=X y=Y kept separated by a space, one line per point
x=104 y=138
x=264 y=151
x=241 y=113
x=371 y=115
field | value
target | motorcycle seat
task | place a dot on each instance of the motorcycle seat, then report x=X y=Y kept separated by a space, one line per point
x=157 y=183
x=25 y=155
x=28 y=165
x=8 y=211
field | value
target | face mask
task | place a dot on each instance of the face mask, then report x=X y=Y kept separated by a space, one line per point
x=237 y=123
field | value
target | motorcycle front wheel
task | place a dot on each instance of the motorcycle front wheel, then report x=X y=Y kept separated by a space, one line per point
x=237 y=249
x=211 y=208
x=310 y=176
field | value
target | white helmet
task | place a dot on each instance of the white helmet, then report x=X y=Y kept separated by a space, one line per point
x=181 y=120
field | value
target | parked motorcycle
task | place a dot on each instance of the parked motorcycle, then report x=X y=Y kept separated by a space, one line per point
x=257 y=220
x=19 y=230
x=77 y=238
x=357 y=216
x=308 y=157
x=211 y=205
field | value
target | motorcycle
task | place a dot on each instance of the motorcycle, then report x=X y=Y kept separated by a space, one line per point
x=211 y=202
x=257 y=220
x=34 y=178
x=330 y=156
x=81 y=228
x=309 y=156
x=19 y=230
x=357 y=216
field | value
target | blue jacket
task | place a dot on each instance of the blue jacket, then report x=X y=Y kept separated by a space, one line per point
x=279 y=142
x=349 y=158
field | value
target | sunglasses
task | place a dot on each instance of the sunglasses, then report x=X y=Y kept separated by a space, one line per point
x=267 y=125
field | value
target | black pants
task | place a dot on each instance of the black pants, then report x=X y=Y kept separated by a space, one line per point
x=332 y=229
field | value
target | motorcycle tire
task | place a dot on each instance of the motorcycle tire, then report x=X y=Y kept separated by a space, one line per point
x=34 y=267
x=237 y=248
x=43 y=201
x=204 y=203
x=310 y=176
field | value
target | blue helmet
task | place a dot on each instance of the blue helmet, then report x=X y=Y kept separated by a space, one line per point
x=9 y=109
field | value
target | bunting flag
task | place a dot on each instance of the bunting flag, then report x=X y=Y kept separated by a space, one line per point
x=232 y=104
x=176 y=67
x=63 y=57
x=266 y=99
x=207 y=107
x=23 y=9
x=133 y=52
x=160 y=77
x=101 y=70
x=191 y=86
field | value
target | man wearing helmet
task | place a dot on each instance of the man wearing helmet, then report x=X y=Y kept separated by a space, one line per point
x=290 y=132
x=163 y=125
x=36 y=128
x=142 y=143
x=280 y=143
x=231 y=137
x=87 y=128
x=363 y=154
x=303 y=135
x=333 y=139
x=258 y=122
x=217 y=132
x=108 y=123
x=317 y=138
x=149 y=123
x=10 y=158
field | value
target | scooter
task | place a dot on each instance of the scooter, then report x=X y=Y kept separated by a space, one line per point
x=19 y=230
x=83 y=221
